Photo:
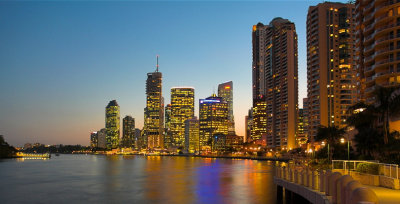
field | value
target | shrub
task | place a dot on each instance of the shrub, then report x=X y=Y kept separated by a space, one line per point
x=369 y=168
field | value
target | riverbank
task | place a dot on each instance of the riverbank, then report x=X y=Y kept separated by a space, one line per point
x=282 y=159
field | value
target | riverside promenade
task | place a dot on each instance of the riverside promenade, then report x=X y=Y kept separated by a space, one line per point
x=299 y=184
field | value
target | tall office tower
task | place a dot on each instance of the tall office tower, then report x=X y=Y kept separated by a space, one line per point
x=192 y=141
x=138 y=139
x=167 y=127
x=154 y=111
x=213 y=119
x=248 y=121
x=259 y=119
x=305 y=117
x=93 y=140
x=112 y=125
x=331 y=71
x=101 y=138
x=128 y=132
x=301 y=137
x=275 y=79
x=378 y=45
x=182 y=108
x=225 y=91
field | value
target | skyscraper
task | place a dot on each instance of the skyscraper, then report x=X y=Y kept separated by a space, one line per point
x=377 y=45
x=248 y=121
x=225 y=91
x=306 y=118
x=275 y=79
x=112 y=125
x=154 y=111
x=93 y=140
x=300 y=135
x=213 y=119
x=182 y=108
x=259 y=119
x=331 y=71
x=128 y=132
x=167 y=127
x=192 y=142
x=101 y=138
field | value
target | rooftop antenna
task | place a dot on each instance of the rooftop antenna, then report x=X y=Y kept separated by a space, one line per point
x=157 y=64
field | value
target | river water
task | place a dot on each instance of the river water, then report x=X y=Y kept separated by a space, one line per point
x=136 y=179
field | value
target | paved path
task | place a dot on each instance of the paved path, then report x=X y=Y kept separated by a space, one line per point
x=386 y=195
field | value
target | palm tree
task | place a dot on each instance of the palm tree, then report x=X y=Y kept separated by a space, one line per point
x=387 y=105
x=331 y=135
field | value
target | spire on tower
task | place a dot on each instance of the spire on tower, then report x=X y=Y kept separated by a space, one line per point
x=157 y=64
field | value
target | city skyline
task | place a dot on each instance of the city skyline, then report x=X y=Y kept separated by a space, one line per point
x=59 y=65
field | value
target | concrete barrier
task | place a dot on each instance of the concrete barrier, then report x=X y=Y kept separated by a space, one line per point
x=389 y=182
x=326 y=181
x=333 y=179
x=322 y=181
x=363 y=195
x=315 y=180
x=352 y=185
x=341 y=188
x=309 y=179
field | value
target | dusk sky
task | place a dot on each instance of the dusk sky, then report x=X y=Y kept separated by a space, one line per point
x=62 y=62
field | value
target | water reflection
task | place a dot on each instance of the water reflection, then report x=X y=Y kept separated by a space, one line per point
x=138 y=179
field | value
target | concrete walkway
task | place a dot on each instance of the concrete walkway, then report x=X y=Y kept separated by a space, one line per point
x=386 y=195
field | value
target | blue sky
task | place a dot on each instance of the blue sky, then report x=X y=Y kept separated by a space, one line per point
x=62 y=62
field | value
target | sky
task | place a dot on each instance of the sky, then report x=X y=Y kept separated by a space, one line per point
x=62 y=62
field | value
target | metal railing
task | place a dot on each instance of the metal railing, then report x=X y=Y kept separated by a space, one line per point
x=388 y=170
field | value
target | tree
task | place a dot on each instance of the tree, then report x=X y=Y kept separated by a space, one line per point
x=331 y=135
x=387 y=105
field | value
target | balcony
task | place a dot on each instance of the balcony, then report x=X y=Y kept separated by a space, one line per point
x=382 y=51
x=367 y=28
x=370 y=89
x=385 y=27
x=370 y=5
x=369 y=17
x=388 y=3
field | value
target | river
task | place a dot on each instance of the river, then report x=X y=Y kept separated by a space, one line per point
x=136 y=179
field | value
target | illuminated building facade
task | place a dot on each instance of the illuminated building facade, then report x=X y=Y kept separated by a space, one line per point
x=259 y=119
x=167 y=127
x=378 y=45
x=154 y=111
x=229 y=143
x=275 y=78
x=192 y=140
x=128 y=132
x=213 y=119
x=139 y=141
x=182 y=108
x=93 y=140
x=225 y=91
x=331 y=70
x=248 y=120
x=305 y=118
x=301 y=137
x=101 y=138
x=112 y=125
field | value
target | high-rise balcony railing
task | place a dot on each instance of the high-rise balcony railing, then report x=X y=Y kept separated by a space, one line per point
x=388 y=37
x=369 y=27
x=380 y=17
x=369 y=58
x=385 y=27
x=387 y=3
x=382 y=51
x=369 y=37
x=369 y=16
x=370 y=5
